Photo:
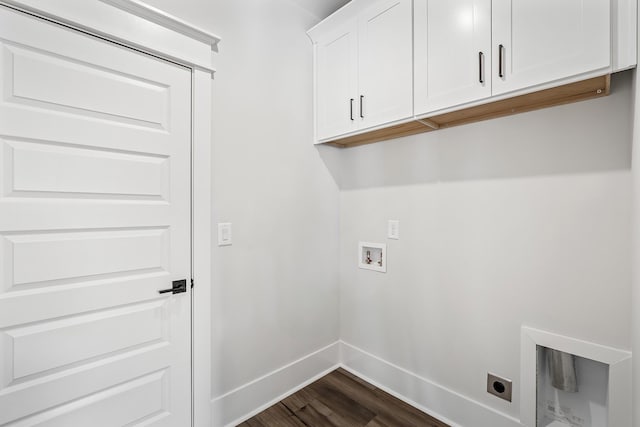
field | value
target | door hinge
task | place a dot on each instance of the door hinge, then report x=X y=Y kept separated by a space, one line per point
x=191 y=283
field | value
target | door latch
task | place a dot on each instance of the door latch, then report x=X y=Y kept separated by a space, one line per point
x=178 y=287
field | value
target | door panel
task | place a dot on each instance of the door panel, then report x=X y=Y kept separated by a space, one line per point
x=540 y=46
x=82 y=172
x=58 y=339
x=140 y=399
x=98 y=91
x=73 y=390
x=94 y=220
x=43 y=259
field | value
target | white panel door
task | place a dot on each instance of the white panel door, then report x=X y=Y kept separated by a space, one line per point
x=385 y=77
x=452 y=53
x=539 y=41
x=94 y=221
x=336 y=85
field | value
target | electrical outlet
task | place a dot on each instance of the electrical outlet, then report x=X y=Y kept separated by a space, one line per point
x=500 y=387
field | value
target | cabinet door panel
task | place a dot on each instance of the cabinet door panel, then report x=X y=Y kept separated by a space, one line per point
x=547 y=40
x=385 y=72
x=336 y=76
x=452 y=53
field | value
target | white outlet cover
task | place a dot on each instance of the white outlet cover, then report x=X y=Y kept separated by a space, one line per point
x=224 y=234
x=393 y=229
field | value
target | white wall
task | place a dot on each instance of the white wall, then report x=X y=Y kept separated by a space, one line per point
x=519 y=220
x=523 y=220
x=275 y=296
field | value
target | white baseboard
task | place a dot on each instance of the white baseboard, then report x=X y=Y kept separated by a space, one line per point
x=446 y=405
x=441 y=403
x=252 y=398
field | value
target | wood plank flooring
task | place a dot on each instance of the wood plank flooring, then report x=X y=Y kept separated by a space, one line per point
x=341 y=399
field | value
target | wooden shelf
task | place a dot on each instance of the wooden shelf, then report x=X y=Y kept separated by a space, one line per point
x=573 y=92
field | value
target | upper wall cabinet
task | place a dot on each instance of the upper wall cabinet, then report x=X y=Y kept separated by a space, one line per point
x=538 y=41
x=453 y=52
x=337 y=80
x=391 y=68
x=364 y=67
x=467 y=50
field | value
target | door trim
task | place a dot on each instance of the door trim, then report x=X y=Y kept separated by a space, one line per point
x=174 y=40
x=133 y=24
x=202 y=252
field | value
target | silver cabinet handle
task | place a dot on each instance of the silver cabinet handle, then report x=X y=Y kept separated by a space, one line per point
x=501 y=53
x=481 y=67
x=351 y=109
x=361 y=110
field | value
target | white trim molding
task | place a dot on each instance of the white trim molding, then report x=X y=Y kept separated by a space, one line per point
x=438 y=401
x=202 y=246
x=619 y=361
x=133 y=24
x=160 y=17
x=244 y=402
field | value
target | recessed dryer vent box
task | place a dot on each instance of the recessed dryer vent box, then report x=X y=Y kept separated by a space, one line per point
x=372 y=256
x=569 y=382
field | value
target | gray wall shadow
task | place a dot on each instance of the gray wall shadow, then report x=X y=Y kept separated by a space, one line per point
x=584 y=137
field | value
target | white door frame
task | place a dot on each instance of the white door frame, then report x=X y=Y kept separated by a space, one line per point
x=136 y=25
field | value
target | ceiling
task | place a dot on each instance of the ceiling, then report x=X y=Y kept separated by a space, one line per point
x=321 y=8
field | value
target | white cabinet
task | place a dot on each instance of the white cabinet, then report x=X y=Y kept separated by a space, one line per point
x=467 y=50
x=539 y=41
x=385 y=63
x=364 y=67
x=336 y=80
x=453 y=52
x=390 y=68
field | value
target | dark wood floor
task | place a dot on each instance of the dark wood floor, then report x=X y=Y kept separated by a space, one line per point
x=341 y=399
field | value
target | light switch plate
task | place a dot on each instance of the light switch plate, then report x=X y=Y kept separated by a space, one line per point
x=224 y=234
x=393 y=229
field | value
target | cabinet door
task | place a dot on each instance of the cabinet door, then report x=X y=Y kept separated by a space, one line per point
x=386 y=63
x=452 y=53
x=336 y=87
x=539 y=41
